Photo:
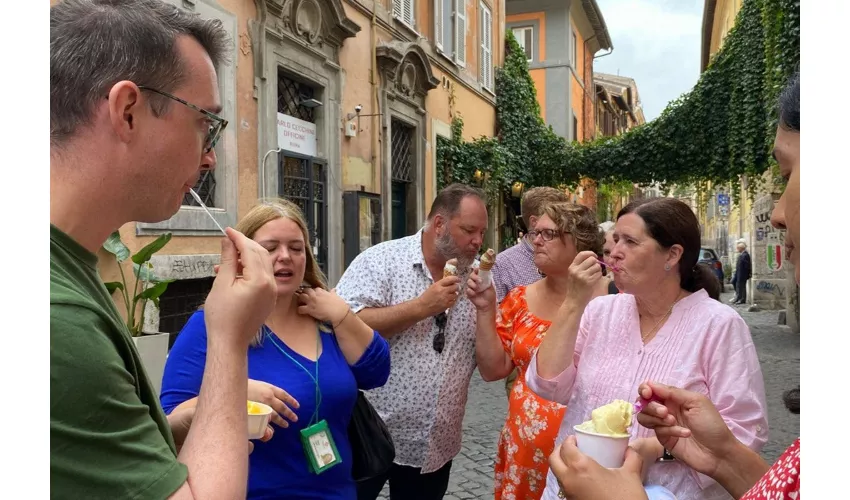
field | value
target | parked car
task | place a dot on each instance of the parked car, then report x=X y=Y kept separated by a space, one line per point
x=709 y=256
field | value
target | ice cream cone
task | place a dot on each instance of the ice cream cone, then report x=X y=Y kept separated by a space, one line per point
x=488 y=259
x=450 y=268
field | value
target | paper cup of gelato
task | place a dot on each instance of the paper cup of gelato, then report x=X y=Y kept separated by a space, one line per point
x=259 y=416
x=609 y=451
x=605 y=437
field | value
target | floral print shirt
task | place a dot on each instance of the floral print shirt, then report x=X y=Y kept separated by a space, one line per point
x=531 y=427
x=424 y=400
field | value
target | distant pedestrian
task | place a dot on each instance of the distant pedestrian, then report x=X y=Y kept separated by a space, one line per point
x=607 y=228
x=743 y=273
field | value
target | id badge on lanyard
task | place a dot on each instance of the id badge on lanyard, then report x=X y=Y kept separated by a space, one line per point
x=319 y=447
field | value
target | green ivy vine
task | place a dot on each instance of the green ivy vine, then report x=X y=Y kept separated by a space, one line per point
x=720 y=130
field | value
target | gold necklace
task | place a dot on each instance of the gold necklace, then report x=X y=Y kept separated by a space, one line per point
x=658 y=324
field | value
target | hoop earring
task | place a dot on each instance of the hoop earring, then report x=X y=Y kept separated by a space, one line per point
x=540 y=273
x=666 y=267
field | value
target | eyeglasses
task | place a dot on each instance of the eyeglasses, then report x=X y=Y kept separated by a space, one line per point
x=440 y=338
x=547 y=234
x=216 y=127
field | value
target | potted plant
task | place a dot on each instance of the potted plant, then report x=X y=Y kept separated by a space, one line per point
x=152 y=346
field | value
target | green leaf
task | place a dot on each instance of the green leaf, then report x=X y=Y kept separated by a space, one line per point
x=114 y=285
x=116 y=247
x=153 y=293
x=145 y=273
x=151 y=248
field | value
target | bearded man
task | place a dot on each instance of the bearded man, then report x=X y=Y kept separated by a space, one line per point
x=399 y=288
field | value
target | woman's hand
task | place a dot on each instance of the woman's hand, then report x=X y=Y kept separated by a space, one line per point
x=584 y=276
x=688 y=425
x=650 y=450
x=323 y=305
x=483 y=300
x=582 y=478
x=180 y=421
x=277 y=398
x=267 y=435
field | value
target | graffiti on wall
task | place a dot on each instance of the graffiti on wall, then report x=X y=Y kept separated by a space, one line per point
x=192 y=266
x=770 y=287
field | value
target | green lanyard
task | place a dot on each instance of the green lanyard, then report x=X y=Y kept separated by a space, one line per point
x=315 y=418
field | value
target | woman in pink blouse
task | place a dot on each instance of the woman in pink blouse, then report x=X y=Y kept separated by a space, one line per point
x=687 y=422
x=663 y=327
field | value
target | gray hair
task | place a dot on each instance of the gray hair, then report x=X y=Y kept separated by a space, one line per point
x=95 y=44
x=606 y=226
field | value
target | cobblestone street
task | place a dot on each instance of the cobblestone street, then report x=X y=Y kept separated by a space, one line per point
x=779 y=353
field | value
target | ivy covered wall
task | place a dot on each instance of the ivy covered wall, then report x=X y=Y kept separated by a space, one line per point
x=721 y=129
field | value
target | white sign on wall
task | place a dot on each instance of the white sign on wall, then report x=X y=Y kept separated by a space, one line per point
x=296 y=135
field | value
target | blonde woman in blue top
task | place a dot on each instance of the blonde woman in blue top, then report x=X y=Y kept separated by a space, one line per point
x=308 y=362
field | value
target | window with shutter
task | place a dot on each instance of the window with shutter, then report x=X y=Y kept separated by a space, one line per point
x=403 y=11
x=460 y=33
x=486 y=58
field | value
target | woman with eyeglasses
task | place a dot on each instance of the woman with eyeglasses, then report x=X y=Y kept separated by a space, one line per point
x=508 y=334
x=307 y=362
x=663 y=327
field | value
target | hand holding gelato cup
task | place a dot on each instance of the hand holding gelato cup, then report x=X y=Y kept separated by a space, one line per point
x=605 y=437
x=258 y=419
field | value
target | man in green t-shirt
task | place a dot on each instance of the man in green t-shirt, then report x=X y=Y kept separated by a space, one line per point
x=133 y=122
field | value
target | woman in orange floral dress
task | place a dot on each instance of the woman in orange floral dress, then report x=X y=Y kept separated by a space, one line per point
x=508 y=335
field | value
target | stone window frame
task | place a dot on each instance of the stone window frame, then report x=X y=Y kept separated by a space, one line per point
x=442 y=129
x=192 y=220
x=406 y=79
x=303 y=39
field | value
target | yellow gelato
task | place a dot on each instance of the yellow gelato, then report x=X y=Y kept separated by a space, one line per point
x=254 y=408
x=613 y=419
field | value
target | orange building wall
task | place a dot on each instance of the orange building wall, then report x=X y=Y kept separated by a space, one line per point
x=538 y=76
x=725 y=12
x=589 y=129
x=576 y=90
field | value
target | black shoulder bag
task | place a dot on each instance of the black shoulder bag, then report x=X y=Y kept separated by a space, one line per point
x=372 y=448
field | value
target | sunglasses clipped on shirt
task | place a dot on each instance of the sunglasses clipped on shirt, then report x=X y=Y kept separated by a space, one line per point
x=440 y=338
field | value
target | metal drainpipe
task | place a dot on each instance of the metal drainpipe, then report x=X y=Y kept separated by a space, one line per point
x=605 y=54
x=373 y=77
x=592 y=72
